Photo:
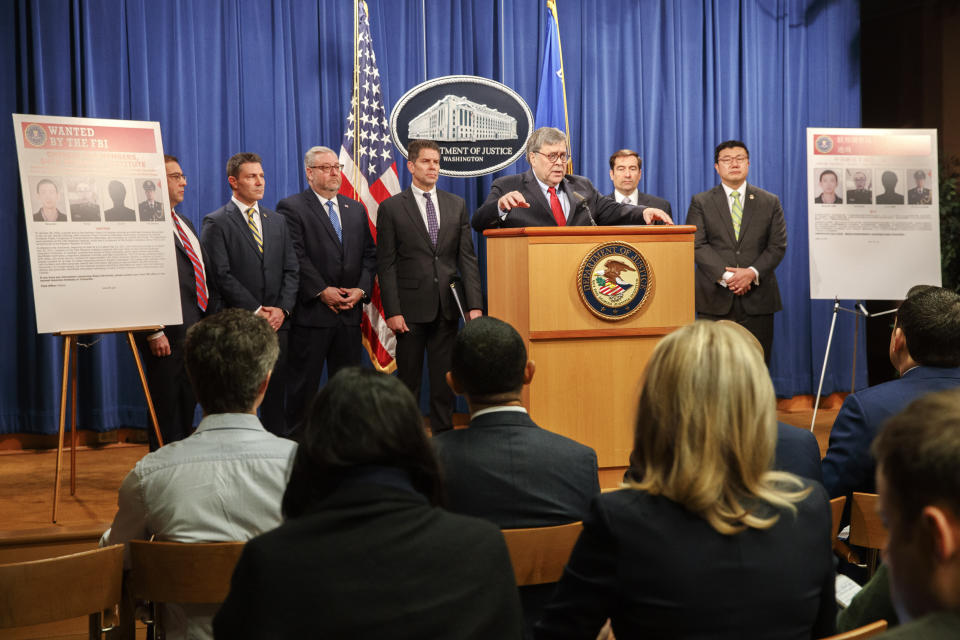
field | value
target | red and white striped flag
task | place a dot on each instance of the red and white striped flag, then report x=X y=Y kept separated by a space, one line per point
x=369 y=175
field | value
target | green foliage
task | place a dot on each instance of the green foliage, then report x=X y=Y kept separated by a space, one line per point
x=950 y=223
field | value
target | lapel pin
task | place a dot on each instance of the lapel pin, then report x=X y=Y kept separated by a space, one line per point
x=751 y=196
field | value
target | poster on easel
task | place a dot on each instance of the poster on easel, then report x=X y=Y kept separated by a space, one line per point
x=873 y=212
x=98 y=223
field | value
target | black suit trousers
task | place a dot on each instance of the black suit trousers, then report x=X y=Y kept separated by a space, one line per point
x=310 y=348
x=436 y=338
x=171 y=392
x=761 y=326
x=272 y=412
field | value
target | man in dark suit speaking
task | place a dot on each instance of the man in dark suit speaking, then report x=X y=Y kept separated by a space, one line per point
x=741 y=238
x=423 y=241
x=254 y=266
x=546 y=197
x=338 y=260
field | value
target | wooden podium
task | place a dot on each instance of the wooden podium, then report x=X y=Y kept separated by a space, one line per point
x=587 y=368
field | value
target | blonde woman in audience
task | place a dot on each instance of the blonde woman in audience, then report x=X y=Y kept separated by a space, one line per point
x=704 y=541
x=366 y=552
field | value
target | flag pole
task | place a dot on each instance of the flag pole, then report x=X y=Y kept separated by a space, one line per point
x=355 y=101
x=552 y=6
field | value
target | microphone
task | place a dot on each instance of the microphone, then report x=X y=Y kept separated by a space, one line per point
x=583 y=202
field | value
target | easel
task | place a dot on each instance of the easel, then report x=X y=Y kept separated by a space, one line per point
x=858 y=311
x=70 y=382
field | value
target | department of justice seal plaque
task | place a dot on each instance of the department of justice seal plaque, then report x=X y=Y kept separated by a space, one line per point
x=614 y=281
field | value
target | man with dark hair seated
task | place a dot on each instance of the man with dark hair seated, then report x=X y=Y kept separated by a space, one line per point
x=918 y=455
x=226 y=481
x=925 y=349
x=504 y=467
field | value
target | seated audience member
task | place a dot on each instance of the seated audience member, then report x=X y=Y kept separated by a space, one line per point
x=797 y=450
x=225 y=482
x=925 y=350
x=871 y=603
x=365 y=551
x=706 y=541
x=504 y=467
x=918 y=457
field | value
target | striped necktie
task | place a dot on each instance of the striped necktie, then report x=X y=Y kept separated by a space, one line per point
x=736 y=212
x=198 y=276
x=253 y=229
x=335 y=220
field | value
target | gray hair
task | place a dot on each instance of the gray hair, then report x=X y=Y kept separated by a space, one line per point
x=315 y=151
x=545 y=135
x=228 y=356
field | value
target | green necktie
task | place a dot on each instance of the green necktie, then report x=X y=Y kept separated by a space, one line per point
x=736 y=213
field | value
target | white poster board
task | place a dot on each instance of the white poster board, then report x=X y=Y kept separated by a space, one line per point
x=98 y=223
x=873 y=212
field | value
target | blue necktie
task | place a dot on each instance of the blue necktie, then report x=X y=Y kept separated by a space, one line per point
x=335 y=220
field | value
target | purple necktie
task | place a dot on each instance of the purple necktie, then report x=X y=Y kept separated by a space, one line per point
x=432 y=225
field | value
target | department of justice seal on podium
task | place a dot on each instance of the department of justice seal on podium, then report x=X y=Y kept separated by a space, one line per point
x=614 y=280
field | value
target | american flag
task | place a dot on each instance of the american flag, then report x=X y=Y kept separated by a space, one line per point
x=370 y=175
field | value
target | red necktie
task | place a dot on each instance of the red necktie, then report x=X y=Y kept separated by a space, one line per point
x=197 y=268
x=555 y=206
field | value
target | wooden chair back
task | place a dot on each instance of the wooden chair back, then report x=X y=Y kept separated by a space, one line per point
x=836 y=513
x=861 y=633
x=866 y=527
x=53 y=589
x=179 y=572
x=539 y=554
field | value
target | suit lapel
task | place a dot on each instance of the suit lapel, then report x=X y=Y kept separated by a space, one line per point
x=534 y=195
x=576 y=204
x=723 y=211
x=448 y=221
x=323 y=217
x=239 y=220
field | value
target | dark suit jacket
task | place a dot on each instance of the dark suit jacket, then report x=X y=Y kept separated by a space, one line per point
x=859 y=196
x=762 y=243
x=585 y=201
x=120 y=214
x=85 y=212
x=890 y=198
x=510 y=471
x=918 y=196
x=243 y=276
x=414 y=275
x=324 y=260
x=660 y=571
x=848 y=465
x=797 y=452
x=38 y=216
x=373 y=562
x=150 y=211
x=647 y=200
x=188 y=289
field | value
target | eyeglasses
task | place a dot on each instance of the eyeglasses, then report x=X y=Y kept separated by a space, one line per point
x=731 y=159
x=336 y=168
x=554 y=158
x=177 y=176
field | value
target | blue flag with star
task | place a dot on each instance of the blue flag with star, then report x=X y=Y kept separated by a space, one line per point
x=551 y=111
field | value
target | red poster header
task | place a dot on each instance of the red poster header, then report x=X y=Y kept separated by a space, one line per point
x=872 y=145
x=88 y=138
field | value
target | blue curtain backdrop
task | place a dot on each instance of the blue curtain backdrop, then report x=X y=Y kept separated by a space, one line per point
x=669 y=79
